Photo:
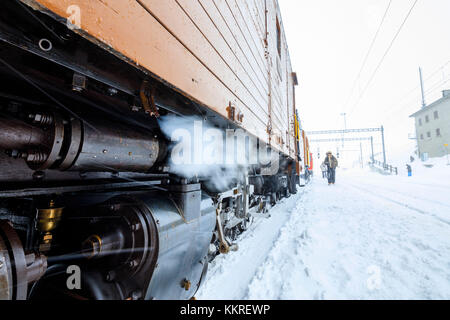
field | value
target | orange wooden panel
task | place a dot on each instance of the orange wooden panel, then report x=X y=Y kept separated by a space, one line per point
x=227 y=30
x=184 y=43
x=230 y=11
x=129 y=29
x=214 y=51
x=279 y=66
x=188 y=22
x=256 y=10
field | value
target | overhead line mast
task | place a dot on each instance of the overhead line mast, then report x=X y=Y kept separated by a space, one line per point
x=421 y=88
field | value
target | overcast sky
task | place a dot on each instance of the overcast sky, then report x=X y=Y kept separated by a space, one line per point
x=328 y=40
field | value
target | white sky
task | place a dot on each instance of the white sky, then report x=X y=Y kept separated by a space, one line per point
x=328 y=40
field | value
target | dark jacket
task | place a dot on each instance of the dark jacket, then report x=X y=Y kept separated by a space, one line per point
x=331 y=162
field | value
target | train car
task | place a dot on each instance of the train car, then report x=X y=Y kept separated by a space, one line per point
x=92 y=203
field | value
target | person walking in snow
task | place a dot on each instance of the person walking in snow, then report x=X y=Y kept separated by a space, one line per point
x=331 y=163
x=324 y=169
x=409 y=169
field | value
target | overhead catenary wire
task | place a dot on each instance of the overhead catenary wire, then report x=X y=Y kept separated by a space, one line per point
x=431 y=76
x=401 y=107
x=395 y=107
x=369 y=51
x=380 y=63
x=436 y=86
x=417 y=87
x=432 y=89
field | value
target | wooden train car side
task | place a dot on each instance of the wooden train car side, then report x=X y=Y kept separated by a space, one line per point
x=87 y=177
x=231 y=56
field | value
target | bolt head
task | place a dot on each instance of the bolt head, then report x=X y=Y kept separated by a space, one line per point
x=112 y=91
x=133 y=263
x=38 y=175
x=110 y=276
x=136 y=295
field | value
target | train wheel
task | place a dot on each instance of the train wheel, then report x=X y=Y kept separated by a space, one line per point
x=245 y=224
x=287 y=193
x=273 y=198
x=293 y=184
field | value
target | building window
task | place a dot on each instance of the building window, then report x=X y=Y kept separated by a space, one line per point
x=278 y=37
x=420 y=121
x=427 y=119
x=421 y=137
x=438 y=132
x=436 y=115
x=428 y=134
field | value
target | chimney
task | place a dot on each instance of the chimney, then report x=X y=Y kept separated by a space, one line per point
x=446 y=93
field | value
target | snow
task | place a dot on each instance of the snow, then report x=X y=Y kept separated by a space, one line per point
x=229 y=275
x=370 y=236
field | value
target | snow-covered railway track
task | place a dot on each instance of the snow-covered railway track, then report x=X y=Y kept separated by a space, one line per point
x=414 y=197
x=400 y=203
x=229 y=275
x=327 y=243
x=436 y=186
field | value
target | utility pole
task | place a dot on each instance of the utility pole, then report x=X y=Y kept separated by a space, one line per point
x=446 y=146
x=421 y=88
x=362 y=160
x=345 y=127
x=424 y=104
x=371 y=145
x=384 y=148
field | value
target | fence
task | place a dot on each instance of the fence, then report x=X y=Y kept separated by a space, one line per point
x=385 y=167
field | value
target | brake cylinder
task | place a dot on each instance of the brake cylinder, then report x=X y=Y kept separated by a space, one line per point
x=75 y=145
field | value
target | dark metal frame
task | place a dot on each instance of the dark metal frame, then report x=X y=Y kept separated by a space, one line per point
x=381 y=129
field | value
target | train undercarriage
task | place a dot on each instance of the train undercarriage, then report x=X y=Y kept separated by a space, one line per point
x=85 y=185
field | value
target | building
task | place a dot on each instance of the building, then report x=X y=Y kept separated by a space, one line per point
x=433 y=127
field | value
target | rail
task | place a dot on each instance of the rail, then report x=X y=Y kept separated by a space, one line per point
x=385 y=166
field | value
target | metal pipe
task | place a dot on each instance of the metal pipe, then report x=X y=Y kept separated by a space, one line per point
x=371 y=145
x=18 y=135
x=109 y=147
x=114 y=147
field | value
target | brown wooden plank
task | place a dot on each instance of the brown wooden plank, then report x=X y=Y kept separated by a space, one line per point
x=238 y=48
x=158 y=51
x=226 y=43
x=178 y=42
x=231 y=16
x=173 y=15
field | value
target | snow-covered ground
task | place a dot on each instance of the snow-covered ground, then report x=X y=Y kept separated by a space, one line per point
x=367 y=237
